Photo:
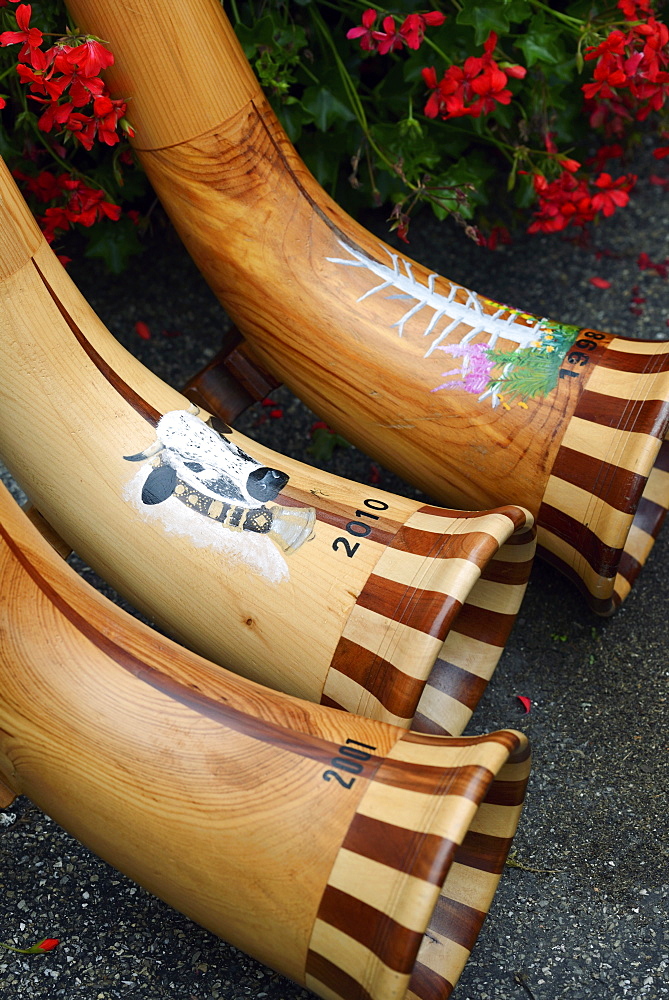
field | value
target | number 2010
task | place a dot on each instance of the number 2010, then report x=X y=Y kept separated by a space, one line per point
x=359 y=529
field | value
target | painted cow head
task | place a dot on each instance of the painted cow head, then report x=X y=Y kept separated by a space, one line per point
x=193 y=453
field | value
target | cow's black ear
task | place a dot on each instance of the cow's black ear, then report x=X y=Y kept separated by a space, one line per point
x=219 y=425
x=159 y=485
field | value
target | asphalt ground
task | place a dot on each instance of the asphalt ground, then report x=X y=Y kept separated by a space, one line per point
x=582 y=911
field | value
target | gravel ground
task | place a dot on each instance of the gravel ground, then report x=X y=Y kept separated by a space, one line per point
x=582 y=913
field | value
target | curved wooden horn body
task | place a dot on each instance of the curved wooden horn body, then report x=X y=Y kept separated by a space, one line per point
x=296 y=578
x=471 y=400
x=350 y=855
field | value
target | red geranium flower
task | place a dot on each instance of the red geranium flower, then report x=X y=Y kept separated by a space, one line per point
x=364 y=32
x=30 y=38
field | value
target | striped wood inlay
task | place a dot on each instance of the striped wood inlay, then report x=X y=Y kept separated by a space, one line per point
x=608 y=492
x=404 y=903
x=429 y=626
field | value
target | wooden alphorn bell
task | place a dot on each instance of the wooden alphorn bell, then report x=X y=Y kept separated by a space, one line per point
x=471 y=400
x=331 y=591
x=352 y=856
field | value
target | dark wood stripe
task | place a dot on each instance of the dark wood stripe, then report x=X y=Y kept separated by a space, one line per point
x=629 y=567
x=504 y=736
x=618 y=487
x=427 y=611
x=603 y=558
x=476 y=546
x=424 y=855
x=224 y=714
x=521 y=537
x=456 y=921
x=398 y=692
x=512 y=573
x=396 y=946
x=470 y=781
x=131 y=397
x=429 y=985
x=662 y=460
x=649 y=516
x=483 y=852
x=334 y=513
x=600 y=605
x=334 y=978
x=515 y=514
x=457 y=683
x=492 y=627
x=331 y=703
x=646 y=416
x=507 y=793
x=421 y=724
x=637 y=363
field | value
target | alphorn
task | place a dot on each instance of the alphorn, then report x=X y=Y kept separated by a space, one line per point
x=301 y=580
x=356 y=858
x=471 y=400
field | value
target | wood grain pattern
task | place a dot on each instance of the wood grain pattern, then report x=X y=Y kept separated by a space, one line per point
x=308 y=296
x=270 y=590
x=209 y=790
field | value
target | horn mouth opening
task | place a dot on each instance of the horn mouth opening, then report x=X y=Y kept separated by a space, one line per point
x=413 y=927
x=608 y=492
x=430 y=624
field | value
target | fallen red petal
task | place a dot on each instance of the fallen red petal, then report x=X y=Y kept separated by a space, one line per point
x=142 y=330
x=525 y=702
x=276 y=414
x=600 y=282
x=48 y=944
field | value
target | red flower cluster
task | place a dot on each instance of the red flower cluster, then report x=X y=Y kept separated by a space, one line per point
x=568 y=200
x=630 y=79
x=65 y=78
x=410 y=33
x=75 y=202
x=473 y=89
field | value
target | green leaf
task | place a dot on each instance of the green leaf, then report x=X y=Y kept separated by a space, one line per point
x=542 y=43
x=484 y=18
x=325 y=109
x=260 y=34
x=324 y=442
x=114 y=243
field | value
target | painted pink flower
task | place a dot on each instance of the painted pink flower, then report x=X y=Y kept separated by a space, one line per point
x=475 y=371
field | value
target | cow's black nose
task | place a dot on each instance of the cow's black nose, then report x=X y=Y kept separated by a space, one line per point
x=265 y=484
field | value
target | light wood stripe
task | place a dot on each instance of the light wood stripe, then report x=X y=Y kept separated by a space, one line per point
x=443 y=957
x=639 y=544
x=399 y=644
x=645 y=348
x=380 y=981
x=610 y=525
x=621 y=384
x=470 y=885
x=435 y=707
x=378 y=885
x=452 y=576
x=502 y=819
x=470 y=653
x=453 y=815
x=352 y=697
x=657 y=488
x=625 y=449
x=489 y=596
